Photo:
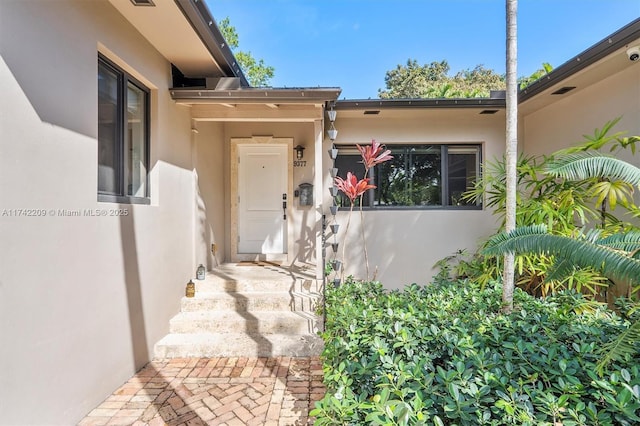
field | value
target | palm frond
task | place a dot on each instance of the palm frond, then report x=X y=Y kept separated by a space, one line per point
x=592 y=235
x=560 y=270
x=580 y=252
x=599 y=138
x=628 y=241
x=588 y=164
x=623 y=345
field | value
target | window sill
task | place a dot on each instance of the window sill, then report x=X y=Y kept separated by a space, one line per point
x=120 y=199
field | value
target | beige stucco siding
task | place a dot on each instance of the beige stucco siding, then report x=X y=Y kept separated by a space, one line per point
x=82 y=299
x=404 y=245
x=563 y=123
x=210 y=219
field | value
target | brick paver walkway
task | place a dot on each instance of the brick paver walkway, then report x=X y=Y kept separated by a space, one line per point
x=216 y=391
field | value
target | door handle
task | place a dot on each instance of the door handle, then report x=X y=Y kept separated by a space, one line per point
x=284 y=206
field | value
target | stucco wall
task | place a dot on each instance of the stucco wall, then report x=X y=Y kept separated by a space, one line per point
x=210 y=220
x=303 y=219
x=403 y=245
x=563 y=123
x=82 y=299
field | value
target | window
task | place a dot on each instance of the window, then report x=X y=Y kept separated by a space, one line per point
x=418 y=176
x=123 y=136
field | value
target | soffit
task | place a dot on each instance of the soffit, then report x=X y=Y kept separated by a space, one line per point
x=604 y=68
x=249 y=112
x=166 y=28
x=598 y=62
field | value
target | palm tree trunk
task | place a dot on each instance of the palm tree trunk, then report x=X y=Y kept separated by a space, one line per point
x=511 y=152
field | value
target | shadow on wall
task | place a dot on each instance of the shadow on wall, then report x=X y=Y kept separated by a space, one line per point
x=58 y=63
x=133 y=289
x=207 y=237
x=304 y=244
x=386 y=244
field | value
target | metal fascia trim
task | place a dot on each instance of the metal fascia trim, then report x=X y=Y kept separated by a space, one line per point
x=257 y=95
x=356 y=104
x=198 y=15
x=603 y=48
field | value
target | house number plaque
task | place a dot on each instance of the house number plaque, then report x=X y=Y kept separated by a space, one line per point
x=299 y=163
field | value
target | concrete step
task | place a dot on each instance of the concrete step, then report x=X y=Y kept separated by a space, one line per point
x=238 y=310
x=214 y=283
x=230 y=278
x=251 y=301
x=255 y=322
x=205 y=345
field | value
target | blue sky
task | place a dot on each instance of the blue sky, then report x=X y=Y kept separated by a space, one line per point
x=352 y=43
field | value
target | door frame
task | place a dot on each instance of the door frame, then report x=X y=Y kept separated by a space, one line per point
x=234 y=219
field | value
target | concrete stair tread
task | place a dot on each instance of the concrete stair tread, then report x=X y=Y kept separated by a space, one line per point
x=240 y=316
x=233 y=279
x=247 y=273
x=257 y=286
x=251 y=302
x=213 y=294
x=237 y=344
x=254 y=322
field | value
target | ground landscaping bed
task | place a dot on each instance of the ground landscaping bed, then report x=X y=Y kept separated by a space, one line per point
x=445 y=355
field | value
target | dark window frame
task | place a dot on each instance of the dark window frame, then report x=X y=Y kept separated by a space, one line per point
x=444 y=173
x=124 y=78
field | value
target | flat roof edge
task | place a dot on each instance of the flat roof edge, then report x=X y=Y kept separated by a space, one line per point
x=265 y=95
x=198 y=15
x=420 y=103
x=603 y=48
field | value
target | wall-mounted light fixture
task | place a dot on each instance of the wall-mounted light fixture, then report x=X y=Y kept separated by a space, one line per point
x=299 y=149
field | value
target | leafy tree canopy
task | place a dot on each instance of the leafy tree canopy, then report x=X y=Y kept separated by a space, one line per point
x=413 y=81
x=256 y=71
x=433 y=81
x=544 y=70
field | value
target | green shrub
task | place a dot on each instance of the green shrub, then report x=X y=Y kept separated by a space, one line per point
x=445 y=355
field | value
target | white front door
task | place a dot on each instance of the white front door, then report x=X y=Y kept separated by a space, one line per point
x=262 y=189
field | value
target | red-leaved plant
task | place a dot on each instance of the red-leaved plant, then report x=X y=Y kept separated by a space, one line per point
x=353 y=188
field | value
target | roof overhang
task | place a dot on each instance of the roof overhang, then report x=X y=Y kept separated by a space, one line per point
x=256 y=104
x=186 y=34
x=598 y=62
x=485 y=109
x=190 y=96
x=374 y=104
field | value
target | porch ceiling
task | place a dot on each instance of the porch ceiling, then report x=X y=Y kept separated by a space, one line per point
x=256 y=104
x=257 y=112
